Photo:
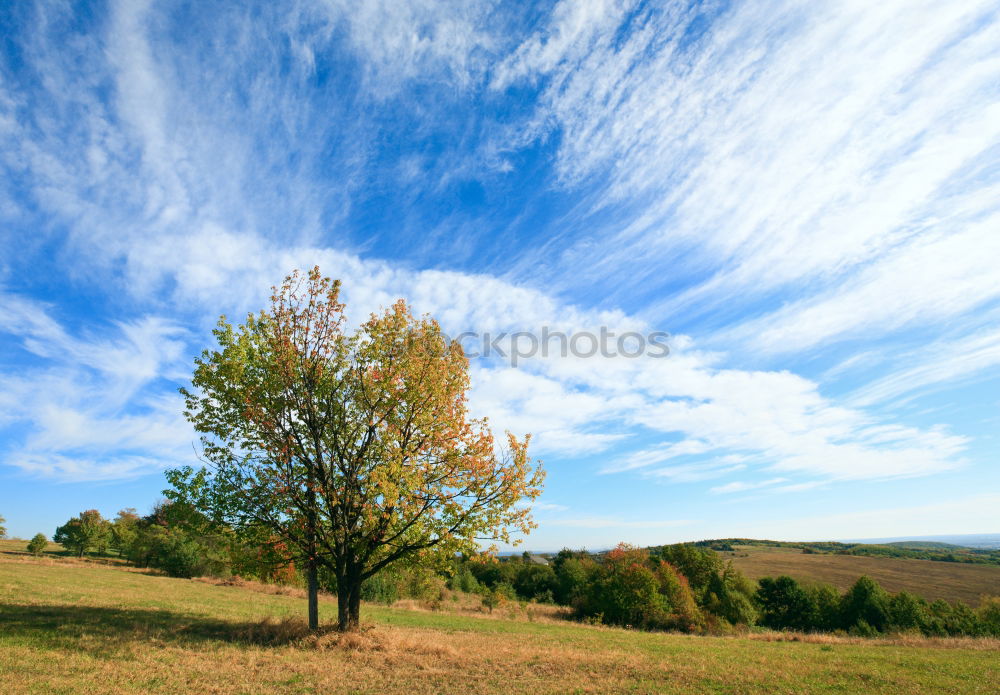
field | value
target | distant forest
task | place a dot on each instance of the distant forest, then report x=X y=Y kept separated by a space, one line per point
x=914 y=550
x=682 y=587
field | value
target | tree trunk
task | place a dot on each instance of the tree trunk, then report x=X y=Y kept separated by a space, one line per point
x=354 y=609
x=312 y=580
x=312 y=587
x=349 y=602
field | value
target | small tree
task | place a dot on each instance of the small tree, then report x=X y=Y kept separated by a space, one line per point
x=3 y=529
x=785 y=605
x=86 y=531
x=124 y=530
x=907 y=612
x=865 y=606
x=37 y=545
x=989 y=615
x=625 y=591
x=356 y=450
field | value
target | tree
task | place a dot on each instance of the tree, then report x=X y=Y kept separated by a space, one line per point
x=625 y=591
x=865 y=606
x=907 y=612
x=684 y=612
x=827 y=601
x=124 y=530
x=357 y=450
x=989 y=615
x=37 y=545
x=785 y=605
x=3 y=529
x=86 y=531
x=730 y=596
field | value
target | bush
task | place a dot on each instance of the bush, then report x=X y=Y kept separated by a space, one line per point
x=462 y=579
x=383 y=587
x=182 y=558
x=38 y=544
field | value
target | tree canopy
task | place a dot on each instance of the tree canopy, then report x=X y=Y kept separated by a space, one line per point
x=355 y=448
x=87 y=531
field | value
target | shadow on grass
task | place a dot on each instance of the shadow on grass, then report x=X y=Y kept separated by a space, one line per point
x=106 y=631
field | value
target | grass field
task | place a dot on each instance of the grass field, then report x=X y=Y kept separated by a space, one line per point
x=932 y=580
x=72 y=627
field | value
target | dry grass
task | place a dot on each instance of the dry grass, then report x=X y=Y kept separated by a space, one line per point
x=894 y=640
x=928 y=578
x=450 y=601
x=89 y=629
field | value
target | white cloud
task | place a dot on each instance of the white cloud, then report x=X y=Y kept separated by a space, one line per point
x=938 y=364
x=839 y=152
x=92 y=409
x=742 y=486
x=770 y=150
x=929 y=280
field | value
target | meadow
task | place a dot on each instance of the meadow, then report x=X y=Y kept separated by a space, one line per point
x=950 y=581
x=69 y=626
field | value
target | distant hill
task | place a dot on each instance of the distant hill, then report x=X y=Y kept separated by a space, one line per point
x=925 y=545
x=932 y=579
x=980 y=541
x=935 y=550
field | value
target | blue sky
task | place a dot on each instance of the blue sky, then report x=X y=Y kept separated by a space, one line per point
x=805 y=195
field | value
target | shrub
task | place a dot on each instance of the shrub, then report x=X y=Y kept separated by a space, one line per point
x=180 y=557
x=462 y=579
x=383 y=587
x=962 y=620
x=38 y=544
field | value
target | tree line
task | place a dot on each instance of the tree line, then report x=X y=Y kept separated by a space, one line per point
x=692 y=589
x=681 y=587
x=914 y=550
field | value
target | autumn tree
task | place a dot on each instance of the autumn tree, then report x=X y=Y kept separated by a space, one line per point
x=84 y=532
x=124 y=530
x=355 y=448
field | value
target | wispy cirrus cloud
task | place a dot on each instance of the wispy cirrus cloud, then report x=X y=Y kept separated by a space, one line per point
x=770 y=180
x=801 y=147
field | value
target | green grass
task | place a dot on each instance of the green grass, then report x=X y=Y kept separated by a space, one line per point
x=71 y=627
